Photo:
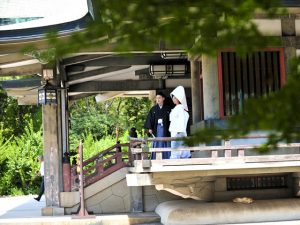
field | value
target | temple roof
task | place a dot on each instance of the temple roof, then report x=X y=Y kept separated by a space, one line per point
x=41 y=12
x=86 y=73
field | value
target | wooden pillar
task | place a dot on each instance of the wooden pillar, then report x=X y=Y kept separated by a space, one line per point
x=196 y=90
x=52 y=158
x=210 y=88
x=64 y=121
x=288 y=32
x=289 y=53
x=64 y=108
x=296 y=184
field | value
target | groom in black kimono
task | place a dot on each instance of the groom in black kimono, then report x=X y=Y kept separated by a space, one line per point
x=158 y=123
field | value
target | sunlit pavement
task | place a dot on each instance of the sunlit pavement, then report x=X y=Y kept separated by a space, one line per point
x=26 y=210
x=21 y=207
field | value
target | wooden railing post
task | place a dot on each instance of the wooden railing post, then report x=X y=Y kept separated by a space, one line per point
x=119 y=157
x=241 y=152
x=214 y=154
x=82 y=211
x=130 y=156
x=227 y=152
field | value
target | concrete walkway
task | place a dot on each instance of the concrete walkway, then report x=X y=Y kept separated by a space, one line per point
x=20 y=207
x=25 y=210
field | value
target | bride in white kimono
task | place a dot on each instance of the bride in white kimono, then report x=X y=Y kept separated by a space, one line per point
x=178 y=122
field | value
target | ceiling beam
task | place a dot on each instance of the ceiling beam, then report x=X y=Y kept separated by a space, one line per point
x=90 y=75
x=128 y=60
x=21 y=83
x=82 y=58
x=24 y=67
x=80 y=96
x=125 y=85
x=11 y=58
x=28 y=100
x=142 y=72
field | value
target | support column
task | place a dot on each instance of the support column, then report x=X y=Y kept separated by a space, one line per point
x=196 y=90
x=296 y=184
x=289 y=53
x=52 y=157
x=210 y=88
x=136 y=199
x=64 y=121
x=288 y=32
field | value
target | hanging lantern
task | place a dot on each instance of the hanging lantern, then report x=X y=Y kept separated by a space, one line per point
x=47 y=95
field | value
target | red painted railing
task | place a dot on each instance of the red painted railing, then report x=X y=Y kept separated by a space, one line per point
x=103 y=164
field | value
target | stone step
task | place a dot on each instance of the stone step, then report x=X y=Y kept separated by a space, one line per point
x=149 y=224
x=150 y=218
x=190 y=212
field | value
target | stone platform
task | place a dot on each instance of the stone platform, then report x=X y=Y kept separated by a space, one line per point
x=24 y=210
x=188 y=212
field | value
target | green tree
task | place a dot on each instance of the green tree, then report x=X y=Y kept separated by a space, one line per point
x=14 y=117
x=199 y=27
x=18 y=161
x=195 y=26
x=129 y=112
x=102 y=119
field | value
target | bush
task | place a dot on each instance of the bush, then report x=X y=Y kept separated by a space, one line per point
x=18 y=162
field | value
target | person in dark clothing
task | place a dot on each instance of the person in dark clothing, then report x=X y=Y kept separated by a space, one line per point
x=158 y=122
x=41 y=173
x=133 y=132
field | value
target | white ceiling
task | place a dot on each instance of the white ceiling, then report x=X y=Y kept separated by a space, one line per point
x=52 y=12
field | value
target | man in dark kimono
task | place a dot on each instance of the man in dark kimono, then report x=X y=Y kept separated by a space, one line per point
x=158 y=123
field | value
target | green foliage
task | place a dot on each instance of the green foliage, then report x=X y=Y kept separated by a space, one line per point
x=100 y=120
x=14 y=117
x=20 y=143
x=198 y=27
x=44 y=56
x=18 y=162
x=276 y=113
x=91 y=146
x=134 y=113
x=195 y=26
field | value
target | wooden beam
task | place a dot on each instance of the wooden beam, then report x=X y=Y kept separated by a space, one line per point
x=126 y=85
x=21 y=68
x=142 y=72
x=79 y=77
x=128 y=60
x=81 y=58
x=28 y=100
x=11 y=58
x=80 y=96
x=21 y=84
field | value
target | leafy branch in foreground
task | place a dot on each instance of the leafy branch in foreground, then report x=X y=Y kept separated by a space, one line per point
x=195 y=26
x=276 y=113
x=198 y=27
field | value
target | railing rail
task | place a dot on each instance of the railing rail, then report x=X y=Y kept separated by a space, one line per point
x=224 y=153
x=103 y=164
x=129 y=154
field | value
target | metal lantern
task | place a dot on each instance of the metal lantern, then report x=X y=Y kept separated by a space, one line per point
x=47 y=95
x=166 y=70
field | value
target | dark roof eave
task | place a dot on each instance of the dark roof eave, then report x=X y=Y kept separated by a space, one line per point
x=19 y=35
x=21 y=83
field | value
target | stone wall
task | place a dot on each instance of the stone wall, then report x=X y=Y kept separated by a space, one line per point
x=153 y=197
x=112 y=195
x=221 y=193
x=114 y=199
